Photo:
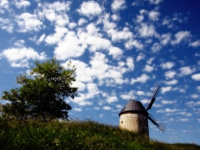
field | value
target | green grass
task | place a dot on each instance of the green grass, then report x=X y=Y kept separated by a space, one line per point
x=75 y=135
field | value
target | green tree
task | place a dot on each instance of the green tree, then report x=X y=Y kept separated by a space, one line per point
x=1 y=109
x=42 y=94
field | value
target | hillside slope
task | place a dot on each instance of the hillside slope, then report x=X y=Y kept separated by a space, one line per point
x=75 y=135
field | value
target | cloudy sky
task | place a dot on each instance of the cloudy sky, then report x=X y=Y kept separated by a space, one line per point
x=122 y=49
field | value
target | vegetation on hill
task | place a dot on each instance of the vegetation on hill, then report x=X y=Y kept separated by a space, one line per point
x=75 y=135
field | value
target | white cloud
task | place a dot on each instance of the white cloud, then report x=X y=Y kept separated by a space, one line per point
x=92 y=29
x=19 y=43
x=186 y=71
x=148 y=68
x=90 y=9
x=166 y=89
x=167 y=110
x=193 y=104
x=145 y=101
x=139 y=18
x=146 y=30
x=143 y=11
x=22 y=3
x=156 y=47
x=81 y=86
x=180 y=36
x=136 y=3
x=155 y=1
x=28 y=22
x=184 y=119
x=130 y=63
x=98 y=43
x=198 y=120
x=82 y=72
x=185 y=114
x=57 y=36
x=128 y=96
x=125 y=34
x=77 y=109
x=115 y=52
x=111 y=99
x=81 y=100
x=133 y=43
x=195 y=44
x=198 y=88
x=119 y=106
x=106 y=107
x=115 y=17
x=97 y=108
x=4 y=4
x=72 y=25
x=179 y=18
x=69 y=47
x=92 y=90
x=86 y=98
x=141 y=56
x=166 y=102
x=167 y=65
x=197 y=55
x=194 y=96
x=50 y=14
x=118 y=5
x=58 y=6
x=150 y=60
x=62 y=20
x=6 y=24
x=41 y=39
x=165 y=38
x=100 y=115
x=153 y=15
x=100 y=69
x=168 y=22
x=107 y=24
x=15 y=54
x=142 y=79
x=196 y=77
x=99 y=65
x=55 y=12
x=18 y=57
x=82 y=21
x=140 y=93
x=20 y=64
x=170 y=74
x=172 y=82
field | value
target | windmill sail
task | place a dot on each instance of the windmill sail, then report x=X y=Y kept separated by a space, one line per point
x=153 y=98
x=159 y=125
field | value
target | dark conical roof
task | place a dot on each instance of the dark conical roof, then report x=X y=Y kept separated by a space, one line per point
x=133 y=106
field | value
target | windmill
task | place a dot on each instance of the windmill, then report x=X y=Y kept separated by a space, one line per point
x=134 y=116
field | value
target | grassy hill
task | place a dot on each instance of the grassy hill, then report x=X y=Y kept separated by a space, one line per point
x=75 y=135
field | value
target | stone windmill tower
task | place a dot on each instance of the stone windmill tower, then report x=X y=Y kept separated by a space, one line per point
x=134 y=117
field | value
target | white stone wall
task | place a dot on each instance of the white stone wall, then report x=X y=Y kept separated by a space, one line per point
x=134 y=122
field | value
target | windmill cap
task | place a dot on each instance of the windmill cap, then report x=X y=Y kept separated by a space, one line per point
x=133 y=106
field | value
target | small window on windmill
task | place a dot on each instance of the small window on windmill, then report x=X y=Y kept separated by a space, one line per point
x=121 y=122
x=143 y=130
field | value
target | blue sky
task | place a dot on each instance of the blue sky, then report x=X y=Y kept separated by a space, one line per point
x=121 y=49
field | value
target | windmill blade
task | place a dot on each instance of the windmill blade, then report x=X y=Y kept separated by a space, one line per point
x=153 y=98
x=158 y=124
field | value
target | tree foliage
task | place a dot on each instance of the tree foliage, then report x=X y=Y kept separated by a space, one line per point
x=42 y=94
